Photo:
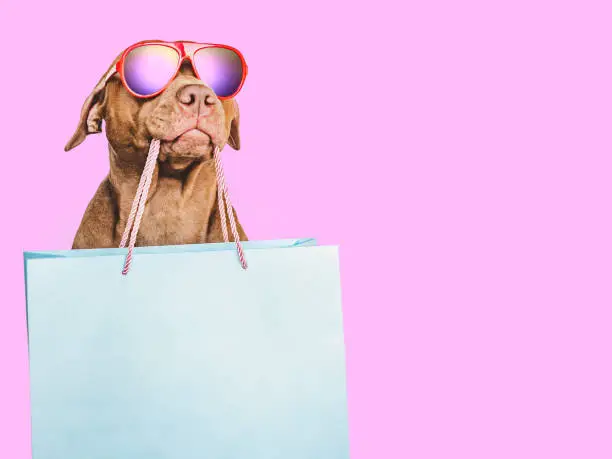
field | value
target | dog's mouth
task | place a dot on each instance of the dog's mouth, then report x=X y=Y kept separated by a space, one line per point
x=193 y=143
x=191 y=138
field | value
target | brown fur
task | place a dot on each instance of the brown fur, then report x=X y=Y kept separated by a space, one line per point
x=182 y=205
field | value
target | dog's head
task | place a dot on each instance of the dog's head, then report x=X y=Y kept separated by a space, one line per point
x=187 y=117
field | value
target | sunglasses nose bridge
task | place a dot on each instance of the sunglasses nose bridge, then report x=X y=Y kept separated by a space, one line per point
x=188 y=58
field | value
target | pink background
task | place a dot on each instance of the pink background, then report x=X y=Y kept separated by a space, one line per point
x=458 y=152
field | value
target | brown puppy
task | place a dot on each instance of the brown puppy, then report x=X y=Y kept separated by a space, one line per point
x=182 y=203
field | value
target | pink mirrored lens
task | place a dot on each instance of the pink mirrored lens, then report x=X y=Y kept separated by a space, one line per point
x=220 y=68
x=148 y=68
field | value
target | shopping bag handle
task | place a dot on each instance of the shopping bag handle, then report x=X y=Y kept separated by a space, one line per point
x=138 y=206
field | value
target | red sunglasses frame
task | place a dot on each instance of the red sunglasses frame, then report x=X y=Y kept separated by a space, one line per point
x=184 y=54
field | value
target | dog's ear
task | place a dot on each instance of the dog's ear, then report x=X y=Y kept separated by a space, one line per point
x=234 y=135
x=92 y=112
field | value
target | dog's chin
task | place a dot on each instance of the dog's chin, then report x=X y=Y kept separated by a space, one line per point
x=180 y=152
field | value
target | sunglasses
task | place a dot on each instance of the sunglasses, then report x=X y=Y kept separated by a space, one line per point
x=146 y=69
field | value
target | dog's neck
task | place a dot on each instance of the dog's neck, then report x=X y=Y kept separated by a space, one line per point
x=196 y=181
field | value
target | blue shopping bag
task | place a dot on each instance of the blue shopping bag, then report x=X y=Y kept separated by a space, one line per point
x=189 y=356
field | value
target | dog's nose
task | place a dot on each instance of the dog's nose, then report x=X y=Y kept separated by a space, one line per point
x=196 y=98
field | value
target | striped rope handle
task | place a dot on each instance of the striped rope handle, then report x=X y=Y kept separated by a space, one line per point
x=138 y=206
x=226 y=204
